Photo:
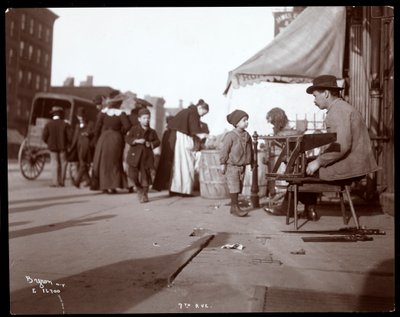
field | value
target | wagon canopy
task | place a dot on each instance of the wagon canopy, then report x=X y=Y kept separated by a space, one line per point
x=313 y=44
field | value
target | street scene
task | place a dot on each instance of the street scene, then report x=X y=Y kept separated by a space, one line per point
x=77 y=251
x=200 y=167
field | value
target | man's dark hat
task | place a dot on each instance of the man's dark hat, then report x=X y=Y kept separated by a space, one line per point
x=143 y=111
x=235 y=116
x=81 y=112
x=56 y=109
x=323 y=82
x=98 y=100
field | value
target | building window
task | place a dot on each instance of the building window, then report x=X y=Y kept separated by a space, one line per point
x=37 y=86
x=21 y=48
x=40 y=30
x=27 y=113
x=19 y=106
x=12 y=29
x=9 y=82
x=47 y=34
x=46 y=60
x=10 y=56
x=20 y=76
x=23 y=18
x=31 y=26
x=30 y=52
x=29 y=79
x=45 y=83
x=38 y=56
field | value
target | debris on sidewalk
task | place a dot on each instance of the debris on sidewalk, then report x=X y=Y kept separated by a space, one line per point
x=300 y=251
x=263 y=239
x=155 y=244
x=216 y=206
x=198 y=232
x=235 y=246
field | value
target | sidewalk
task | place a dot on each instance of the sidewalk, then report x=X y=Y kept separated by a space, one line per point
x=111 y=254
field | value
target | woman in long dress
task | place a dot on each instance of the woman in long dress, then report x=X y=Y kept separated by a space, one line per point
x=112 y=124
x=176 y=170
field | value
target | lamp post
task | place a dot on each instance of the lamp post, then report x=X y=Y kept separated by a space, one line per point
x=255 y=200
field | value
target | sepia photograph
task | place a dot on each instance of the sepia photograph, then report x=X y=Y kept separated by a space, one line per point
x=167 y=160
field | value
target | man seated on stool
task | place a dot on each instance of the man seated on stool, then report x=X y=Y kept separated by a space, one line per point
x=349 y=158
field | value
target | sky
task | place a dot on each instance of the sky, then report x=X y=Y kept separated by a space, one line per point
x=174 y=53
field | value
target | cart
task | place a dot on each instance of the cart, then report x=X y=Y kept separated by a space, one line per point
x=33 y=153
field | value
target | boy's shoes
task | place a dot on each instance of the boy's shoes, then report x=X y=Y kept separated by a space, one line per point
x=140 y=194
x=235 y=210
x=130 y=189
x=145 y=199
x=76 y=184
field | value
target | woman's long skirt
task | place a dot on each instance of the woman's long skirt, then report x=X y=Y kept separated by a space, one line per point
x=107 y=161
x=183 y=165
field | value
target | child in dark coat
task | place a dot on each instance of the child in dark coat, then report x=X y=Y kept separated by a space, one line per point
x=236 y=153
x=140 y=159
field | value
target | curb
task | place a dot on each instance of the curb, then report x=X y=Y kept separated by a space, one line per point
x=167 y=276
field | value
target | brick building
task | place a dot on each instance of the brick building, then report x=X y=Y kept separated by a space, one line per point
x=29 y=45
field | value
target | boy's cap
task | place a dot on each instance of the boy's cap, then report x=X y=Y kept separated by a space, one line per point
x=143 y=111
x=235 y=116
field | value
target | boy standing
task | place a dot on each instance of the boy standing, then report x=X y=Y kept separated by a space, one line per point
x=140 y=159
x=236 y=153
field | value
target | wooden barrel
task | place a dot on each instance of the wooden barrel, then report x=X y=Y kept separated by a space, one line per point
x=212 y=182
x=262 y=181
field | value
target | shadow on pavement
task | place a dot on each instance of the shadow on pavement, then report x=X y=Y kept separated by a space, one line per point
x=35 y=207
x=56 y=226
x=386 y=303
x=18 y=223
x=113 y=288
x=41 y=199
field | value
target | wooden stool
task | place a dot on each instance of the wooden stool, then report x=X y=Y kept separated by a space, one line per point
x=316 y=185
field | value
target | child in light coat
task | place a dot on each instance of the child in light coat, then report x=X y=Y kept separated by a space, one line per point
x=235 y=154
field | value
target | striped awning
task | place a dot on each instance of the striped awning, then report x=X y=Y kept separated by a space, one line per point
x=312 y=45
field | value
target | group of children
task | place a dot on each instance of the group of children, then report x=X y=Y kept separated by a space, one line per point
x=235 y=154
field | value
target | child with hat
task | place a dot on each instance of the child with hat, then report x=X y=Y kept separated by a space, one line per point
x=236 y=153
x=140 y=159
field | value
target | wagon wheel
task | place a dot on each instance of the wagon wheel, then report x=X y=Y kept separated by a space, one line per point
x=31 y=161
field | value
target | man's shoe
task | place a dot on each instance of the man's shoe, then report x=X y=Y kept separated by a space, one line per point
x=275 y=211
x=235 y=210
x=311 y=213
x=76 y=184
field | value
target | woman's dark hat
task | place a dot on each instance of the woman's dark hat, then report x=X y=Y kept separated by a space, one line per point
x=56 y=109
x=116 y=101
x=143 y=103
x=323 y=82
x=235 y=116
